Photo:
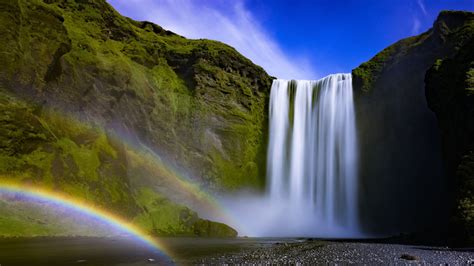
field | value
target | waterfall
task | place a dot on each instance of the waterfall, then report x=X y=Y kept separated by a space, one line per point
x=312 y=162
x=312 y=165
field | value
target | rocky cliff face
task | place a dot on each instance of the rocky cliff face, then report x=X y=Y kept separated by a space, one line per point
x=450 y=94
x=198 y=104
x=404 y=184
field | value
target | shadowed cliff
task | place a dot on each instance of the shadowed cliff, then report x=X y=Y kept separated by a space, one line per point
x=450 y=94
x=404 y=183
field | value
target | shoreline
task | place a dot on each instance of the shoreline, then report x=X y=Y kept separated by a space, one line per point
x=190 y=251
x=323 y=252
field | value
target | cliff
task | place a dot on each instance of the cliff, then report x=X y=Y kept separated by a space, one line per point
x=78 y=80
x=450 y=93
x=405 y=185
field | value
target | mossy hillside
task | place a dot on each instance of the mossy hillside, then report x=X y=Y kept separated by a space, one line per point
x=198 y=102
x=58 y=153
x=206 y=228
x=22 y=218
x=14 y=223
x=163 y=217
x=149 y=171
x=42 y=148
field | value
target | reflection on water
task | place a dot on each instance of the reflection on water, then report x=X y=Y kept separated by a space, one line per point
x=76 y=251
x=116 y=251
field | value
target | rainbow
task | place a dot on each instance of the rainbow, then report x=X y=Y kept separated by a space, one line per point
x=85 y=209
x=184 y=183
x=197 y=197
x=168 y=173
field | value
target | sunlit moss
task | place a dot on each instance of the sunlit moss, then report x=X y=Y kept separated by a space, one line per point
x=59 y=53
x=162 y=216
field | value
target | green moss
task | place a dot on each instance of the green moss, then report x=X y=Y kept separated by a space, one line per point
x=86 y=159
x=453 y=25
x=470 y=81
x=102 y=144
x=367 y=73
x=18 y=226
x=206 y=228
x=41 y=160
x=80 y=160
x=9 y=163
x=178 y=81
x=163 y=217
x=83 y=59
x=29 y=218
x=58 y=152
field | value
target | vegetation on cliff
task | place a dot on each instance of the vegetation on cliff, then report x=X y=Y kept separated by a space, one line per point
x=198 y=103
x=45 y=149
x=451 y=30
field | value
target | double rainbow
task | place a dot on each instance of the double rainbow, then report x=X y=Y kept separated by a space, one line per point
x=167 y=173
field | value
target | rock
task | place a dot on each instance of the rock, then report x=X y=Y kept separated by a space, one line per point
x=450 y=94
x=399 y=136
x=408 y=257
x=206 y=228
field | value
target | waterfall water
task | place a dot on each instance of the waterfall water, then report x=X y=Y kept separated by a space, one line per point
x=311 y=163
x=312 y=149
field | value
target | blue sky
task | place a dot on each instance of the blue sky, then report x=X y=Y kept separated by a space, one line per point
x=296 y=39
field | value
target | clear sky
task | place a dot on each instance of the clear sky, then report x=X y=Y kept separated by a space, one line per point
x=296 y=39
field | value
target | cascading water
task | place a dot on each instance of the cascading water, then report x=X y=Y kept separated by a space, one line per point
x=312 y=163
x=312 y=149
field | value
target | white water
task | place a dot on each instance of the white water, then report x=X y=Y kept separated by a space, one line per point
x=312 y=163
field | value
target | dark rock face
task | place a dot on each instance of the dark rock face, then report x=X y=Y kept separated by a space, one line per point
x=450 y=94
x=404 y=186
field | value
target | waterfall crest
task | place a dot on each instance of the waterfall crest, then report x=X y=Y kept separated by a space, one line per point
x=312 y=162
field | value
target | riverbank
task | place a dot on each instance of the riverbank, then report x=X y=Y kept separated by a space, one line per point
x=205 y=251
x=320 y=252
